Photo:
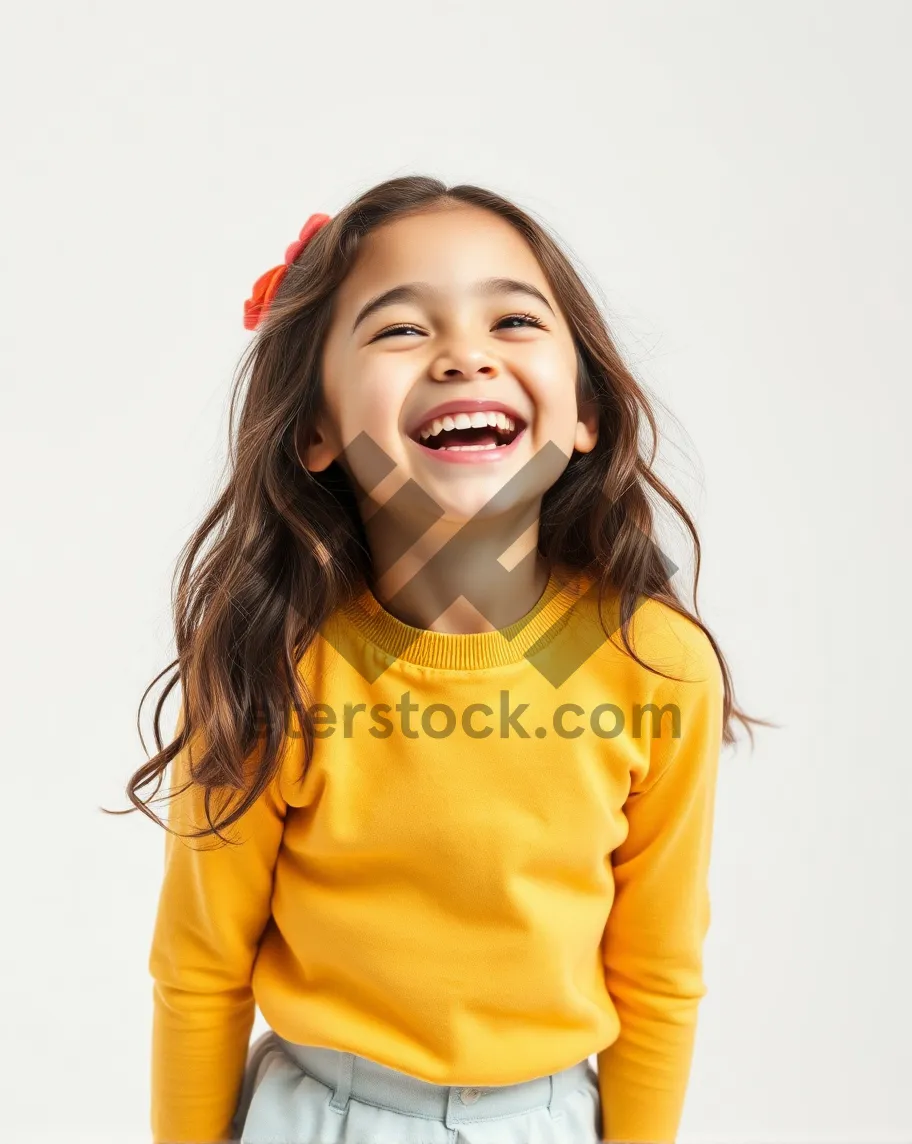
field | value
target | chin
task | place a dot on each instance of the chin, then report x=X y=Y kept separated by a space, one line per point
x=481 y=503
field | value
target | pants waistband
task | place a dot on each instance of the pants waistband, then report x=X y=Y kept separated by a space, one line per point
x=353 y=1077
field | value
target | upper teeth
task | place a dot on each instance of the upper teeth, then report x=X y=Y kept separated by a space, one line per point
x=467 y=421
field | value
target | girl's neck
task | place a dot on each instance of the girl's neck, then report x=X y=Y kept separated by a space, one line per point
x=429 y=587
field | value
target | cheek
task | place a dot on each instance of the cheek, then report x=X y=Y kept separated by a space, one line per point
x=552 y=368
x=560 y=427
x=557 y=409
x=366 y=408
x=368 y=401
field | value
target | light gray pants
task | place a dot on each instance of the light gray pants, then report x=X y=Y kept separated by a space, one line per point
x=298 y=1094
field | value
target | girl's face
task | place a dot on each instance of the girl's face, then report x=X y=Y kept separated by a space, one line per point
x=445 y=335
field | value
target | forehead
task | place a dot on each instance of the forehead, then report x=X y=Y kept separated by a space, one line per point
x=450 y=248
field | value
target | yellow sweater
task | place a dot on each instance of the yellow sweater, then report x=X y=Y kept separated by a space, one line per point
x=477 y=894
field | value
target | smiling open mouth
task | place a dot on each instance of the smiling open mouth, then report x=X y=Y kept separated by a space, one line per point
x=467 y=432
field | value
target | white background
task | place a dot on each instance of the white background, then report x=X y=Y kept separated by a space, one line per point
x=736 y=180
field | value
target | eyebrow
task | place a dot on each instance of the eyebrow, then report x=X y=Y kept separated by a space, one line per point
x=416 y=291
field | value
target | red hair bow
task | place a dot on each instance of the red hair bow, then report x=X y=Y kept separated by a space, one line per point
x=265 y=287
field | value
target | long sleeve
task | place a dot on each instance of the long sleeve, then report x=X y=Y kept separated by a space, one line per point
x=213 y=907
x=660 y=916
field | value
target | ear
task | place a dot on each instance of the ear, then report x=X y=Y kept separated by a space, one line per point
x=586 y=427
x=316 y=450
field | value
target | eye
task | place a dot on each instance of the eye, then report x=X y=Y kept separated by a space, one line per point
x=529 y=318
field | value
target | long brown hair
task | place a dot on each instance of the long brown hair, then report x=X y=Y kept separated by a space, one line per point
x=287 y=545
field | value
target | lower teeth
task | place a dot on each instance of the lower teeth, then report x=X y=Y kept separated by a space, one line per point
x=465 y=448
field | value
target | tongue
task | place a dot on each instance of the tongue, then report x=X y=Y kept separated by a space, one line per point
x=480 y=436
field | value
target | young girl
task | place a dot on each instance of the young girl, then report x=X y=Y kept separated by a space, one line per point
x=437 y=680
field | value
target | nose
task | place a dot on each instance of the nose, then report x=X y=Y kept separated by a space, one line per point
x=463 y=363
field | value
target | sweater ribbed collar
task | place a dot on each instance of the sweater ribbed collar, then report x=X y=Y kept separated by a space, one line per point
x=451 y=651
